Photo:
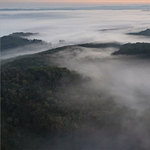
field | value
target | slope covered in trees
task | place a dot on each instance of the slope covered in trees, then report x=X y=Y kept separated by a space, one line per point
x=14 y=41
x=49 y=107
x=48 y=99
x=42 y=99
x=134 y=49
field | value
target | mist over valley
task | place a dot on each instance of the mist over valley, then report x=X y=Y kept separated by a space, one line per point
x=75 y=79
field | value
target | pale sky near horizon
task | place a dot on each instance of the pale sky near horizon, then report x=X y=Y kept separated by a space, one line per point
x=82 y=1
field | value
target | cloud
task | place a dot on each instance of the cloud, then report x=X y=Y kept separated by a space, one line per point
x=77 y=26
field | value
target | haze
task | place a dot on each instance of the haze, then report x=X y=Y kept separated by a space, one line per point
x=82 y=1
x=121 y=80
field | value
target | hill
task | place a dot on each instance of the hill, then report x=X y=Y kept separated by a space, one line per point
x=42 y=101
x=45 y=106
x=11 y=41
x=143 y=33
x=134 y=49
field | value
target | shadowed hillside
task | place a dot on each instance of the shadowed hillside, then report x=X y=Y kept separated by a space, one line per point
x=45 y=106
x=134 y=49
x=15 y=40
x=143 y=33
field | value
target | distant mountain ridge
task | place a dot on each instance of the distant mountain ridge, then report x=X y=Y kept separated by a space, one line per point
x=80 y=7
x=100 y=45
x=20 y=34
x=144 y=32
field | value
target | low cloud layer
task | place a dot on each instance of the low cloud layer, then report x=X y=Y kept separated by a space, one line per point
x=126 y=78
x=79 y=26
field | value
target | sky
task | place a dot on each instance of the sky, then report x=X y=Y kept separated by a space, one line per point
x=82 y=1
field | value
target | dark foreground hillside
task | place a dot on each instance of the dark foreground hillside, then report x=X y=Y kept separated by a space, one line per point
x=48 y=101
x=48 y=107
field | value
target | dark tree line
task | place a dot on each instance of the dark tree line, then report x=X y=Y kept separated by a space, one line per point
x=134 y=49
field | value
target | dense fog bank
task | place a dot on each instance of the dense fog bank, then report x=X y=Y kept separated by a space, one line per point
x=76 y=27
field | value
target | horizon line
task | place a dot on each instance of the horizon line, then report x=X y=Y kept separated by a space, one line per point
x=81 y=2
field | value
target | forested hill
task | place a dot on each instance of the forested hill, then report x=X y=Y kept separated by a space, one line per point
x=30 y=102
x=134 y=49
x=13 y=41
x=40 y=99
x=45 y=106
x=143 y=33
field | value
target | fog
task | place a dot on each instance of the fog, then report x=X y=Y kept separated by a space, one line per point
x=25 y=50
x=124 y=79
x=77 y=26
